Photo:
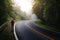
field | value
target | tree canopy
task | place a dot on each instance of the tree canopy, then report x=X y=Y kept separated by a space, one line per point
x=5 y=10
x=48 y=11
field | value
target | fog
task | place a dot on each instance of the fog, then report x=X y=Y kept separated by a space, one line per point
x=33 y=17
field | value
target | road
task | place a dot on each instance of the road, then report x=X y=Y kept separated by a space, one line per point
x=27 y=30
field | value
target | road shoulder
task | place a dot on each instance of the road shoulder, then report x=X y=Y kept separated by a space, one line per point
x=38 y=23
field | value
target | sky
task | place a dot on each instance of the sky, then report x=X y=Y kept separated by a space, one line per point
x=24 y=5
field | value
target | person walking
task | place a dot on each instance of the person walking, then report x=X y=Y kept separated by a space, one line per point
x=12 y=22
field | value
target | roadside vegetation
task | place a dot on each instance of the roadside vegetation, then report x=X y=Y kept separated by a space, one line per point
x=48 y=11
x=45 y=26
x=7 y=33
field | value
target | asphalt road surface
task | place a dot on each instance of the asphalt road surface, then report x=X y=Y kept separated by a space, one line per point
x=27 y=30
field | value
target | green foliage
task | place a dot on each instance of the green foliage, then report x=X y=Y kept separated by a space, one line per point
x=51 y=28
x=38 y=8
x=5 y=10
x=9 y=8
x=48 y=11
x=2 y=12
x=52 y=13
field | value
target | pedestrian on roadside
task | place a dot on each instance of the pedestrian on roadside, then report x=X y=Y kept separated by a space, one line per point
x=12 y=22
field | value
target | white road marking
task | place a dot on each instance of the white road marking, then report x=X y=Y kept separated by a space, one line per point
x=15 y=33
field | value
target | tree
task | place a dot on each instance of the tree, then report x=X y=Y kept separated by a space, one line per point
x=48 y=10
x=38 y=8
x=5 y=10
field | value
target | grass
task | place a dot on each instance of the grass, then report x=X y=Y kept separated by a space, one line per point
x=7 y=34
x=51 y=28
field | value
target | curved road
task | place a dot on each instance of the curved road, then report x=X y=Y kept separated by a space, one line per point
x=27 y=30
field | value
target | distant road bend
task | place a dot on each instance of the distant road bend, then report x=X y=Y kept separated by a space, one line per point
x=27 y=30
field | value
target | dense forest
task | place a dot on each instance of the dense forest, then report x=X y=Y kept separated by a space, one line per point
x=6 y=11
x=48 y=11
